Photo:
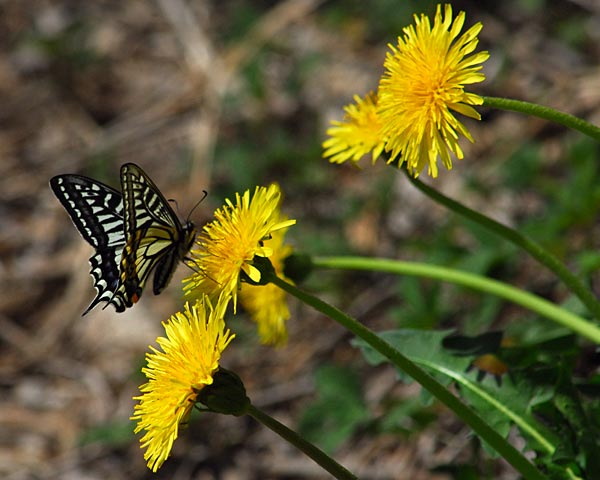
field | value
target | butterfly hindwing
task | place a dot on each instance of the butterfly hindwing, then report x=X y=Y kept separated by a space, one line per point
x=97 y=211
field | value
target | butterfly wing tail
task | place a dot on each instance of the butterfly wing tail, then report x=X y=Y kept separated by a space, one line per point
x=105 y=275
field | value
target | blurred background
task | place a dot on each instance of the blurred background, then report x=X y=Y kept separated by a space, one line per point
x=226 y=95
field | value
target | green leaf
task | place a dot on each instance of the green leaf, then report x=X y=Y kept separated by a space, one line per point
x=421 y=347
x=586 y=433
x=338 y=411
x=500 y=404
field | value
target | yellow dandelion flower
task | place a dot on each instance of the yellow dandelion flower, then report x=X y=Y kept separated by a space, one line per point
x=267 y=304
x=358 y=134
x=423 y=84
x=228 y=244
x=189 y=358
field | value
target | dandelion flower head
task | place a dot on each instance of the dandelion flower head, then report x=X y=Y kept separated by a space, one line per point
x=422 y=87
x=186 y=362
x=228 y=244
x=358 y=134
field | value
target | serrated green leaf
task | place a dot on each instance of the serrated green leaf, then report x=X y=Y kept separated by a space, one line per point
x=568 y=402
x=421 y=346
x=501 y=405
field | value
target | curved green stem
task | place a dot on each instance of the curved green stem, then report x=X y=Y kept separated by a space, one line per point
x=308 y=448
x=534 y=249
x=546 y=113
x=320 y=457
x=469 y=416
x=477 y=282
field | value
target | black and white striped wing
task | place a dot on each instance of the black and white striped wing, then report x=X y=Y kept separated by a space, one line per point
x=155 y=239
x=97 y=211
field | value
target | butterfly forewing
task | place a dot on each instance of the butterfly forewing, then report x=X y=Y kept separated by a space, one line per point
x=97 y=211
x=95 y=208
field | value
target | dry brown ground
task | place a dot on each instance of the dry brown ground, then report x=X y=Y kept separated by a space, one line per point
x=158 y=92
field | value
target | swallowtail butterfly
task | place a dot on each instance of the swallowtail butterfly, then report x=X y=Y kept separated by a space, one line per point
x=134 y=233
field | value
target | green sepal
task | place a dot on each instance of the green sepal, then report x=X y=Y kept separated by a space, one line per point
x=226 y=395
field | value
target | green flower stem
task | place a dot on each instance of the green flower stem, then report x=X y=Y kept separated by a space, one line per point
x=510 y=454
x=477 y=282
x=546 y=113
x=534 y=249
x=308 y=448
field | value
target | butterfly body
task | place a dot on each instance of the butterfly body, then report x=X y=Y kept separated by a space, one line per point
x=134 y=233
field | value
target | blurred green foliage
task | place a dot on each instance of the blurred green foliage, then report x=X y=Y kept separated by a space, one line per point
x=338 y=411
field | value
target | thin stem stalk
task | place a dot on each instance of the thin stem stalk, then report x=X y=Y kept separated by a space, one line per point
x=533 y=248
x=476 y=282
x=320 y=457
x=546 y=113
x=469 y=416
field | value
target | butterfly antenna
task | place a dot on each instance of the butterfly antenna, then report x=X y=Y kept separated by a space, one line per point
x=197 y=203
